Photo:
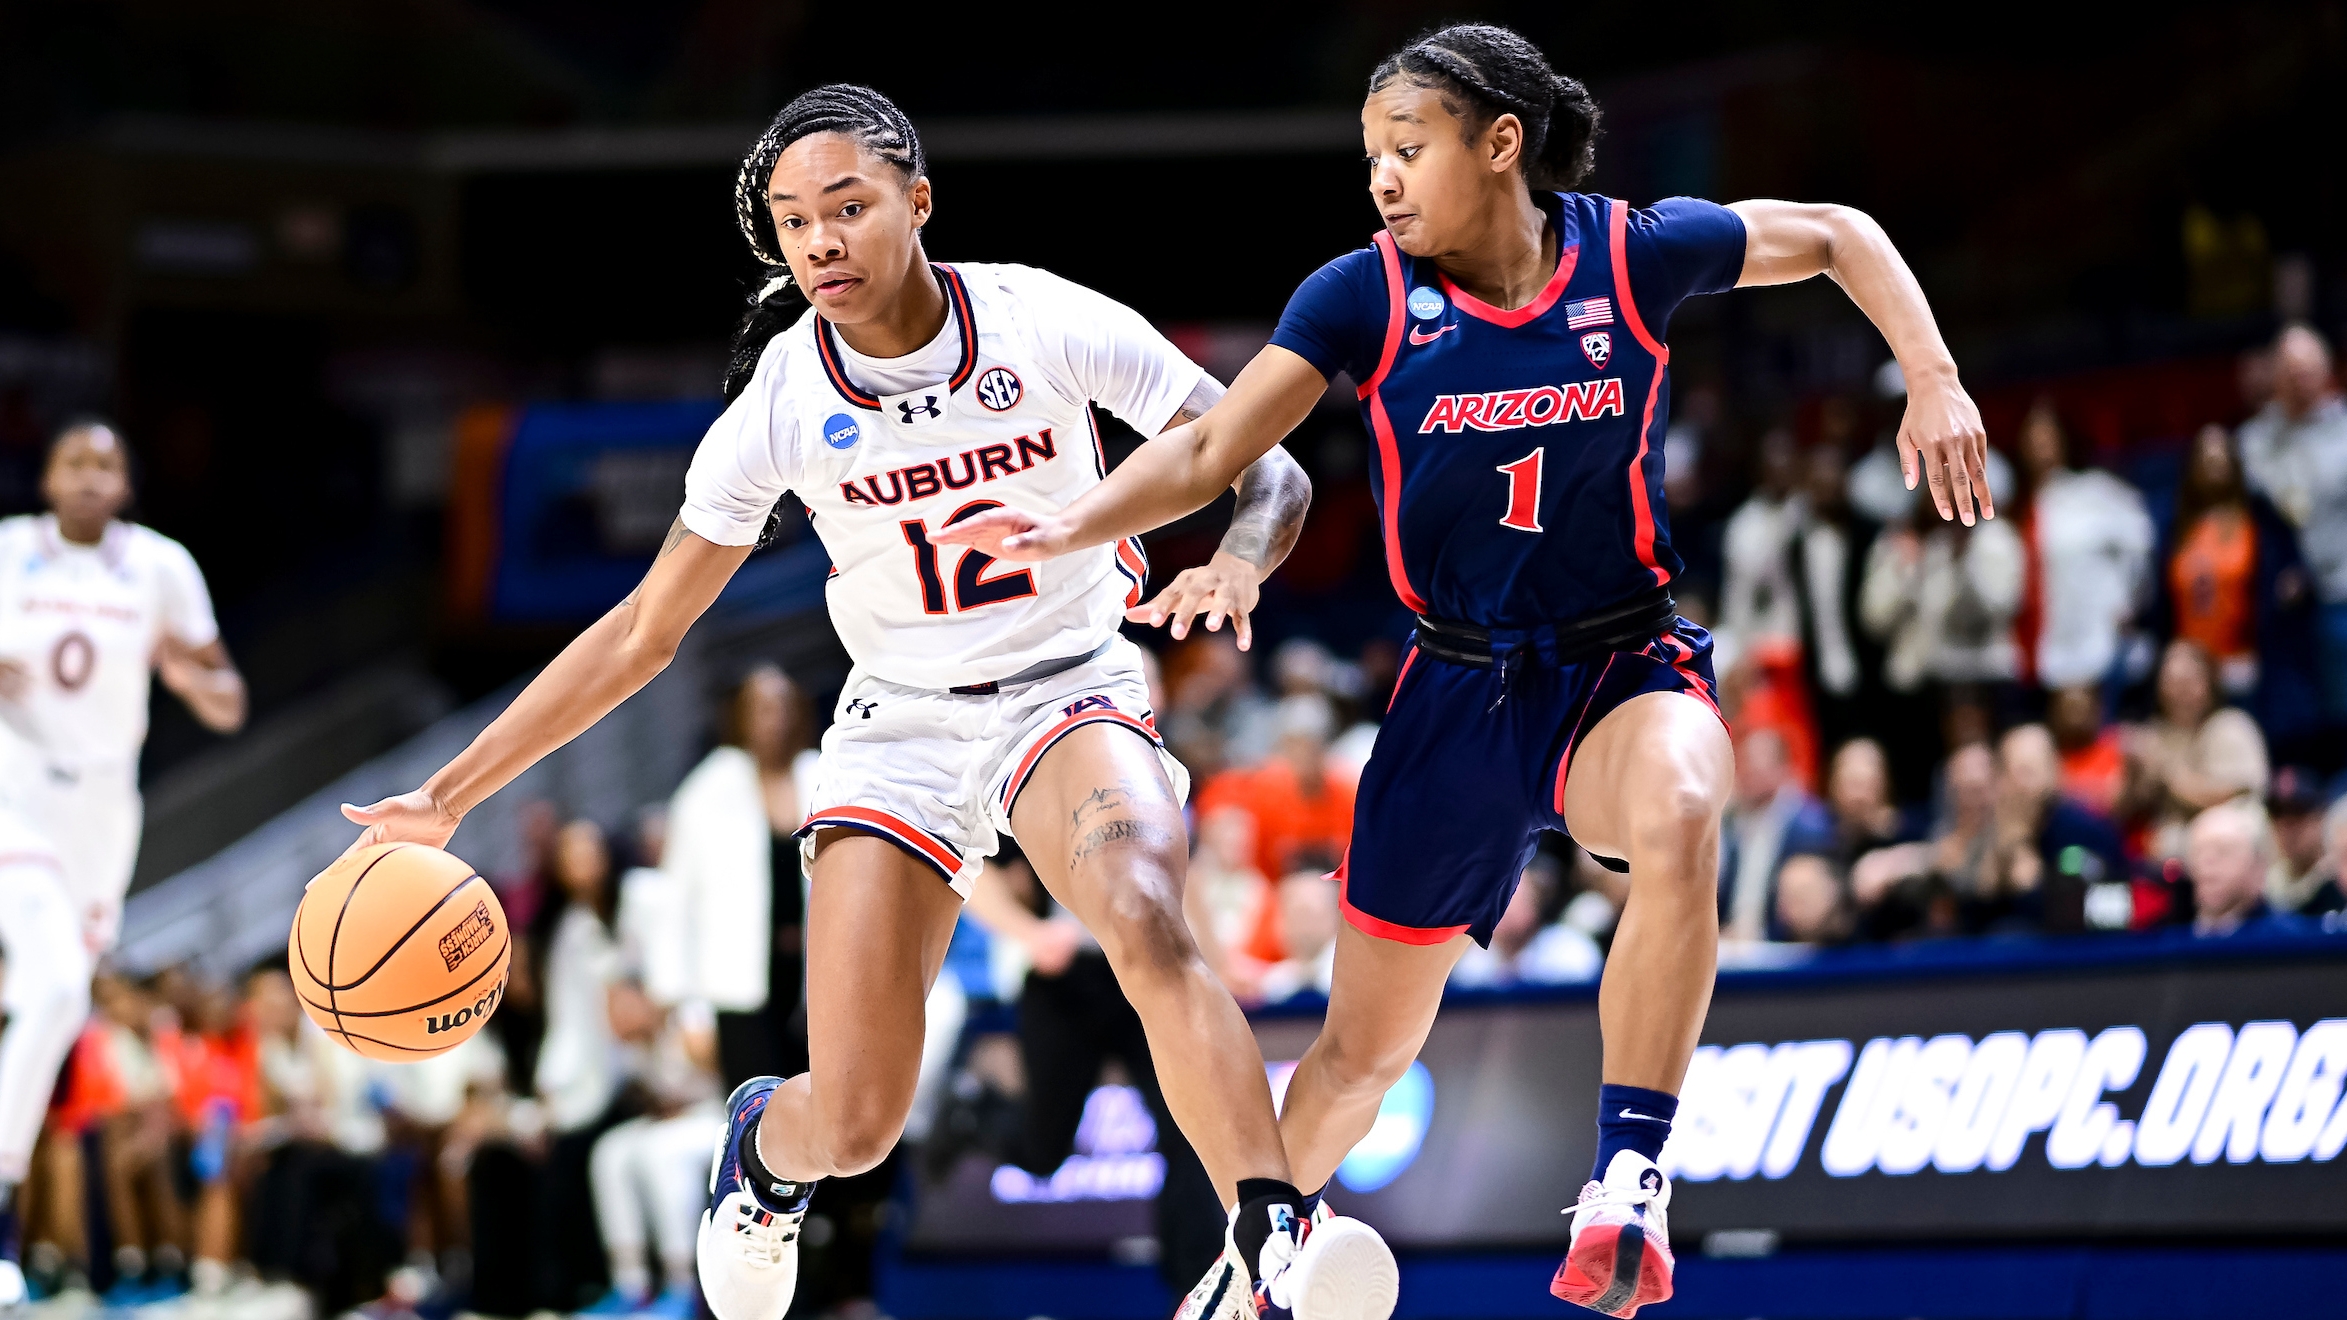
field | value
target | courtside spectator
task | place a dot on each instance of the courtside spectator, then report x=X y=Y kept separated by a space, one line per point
x=1216 y=718
x=2089 y=542
x=1301 y=803
x=2295 y=454
x=1943 y=602
x=2054 y=847
x=1228 y=900
x=2191 y=755
x=1769 y=819
x=1760 y=609
x=2227 y=852
x=730 y=854
x=1527 y=949
x=1813 y=905
x=1858 y=794
x=1842 y=665
x=2094 y=750
x=2305 y=877
x=1308 y=926
x=1926 y=889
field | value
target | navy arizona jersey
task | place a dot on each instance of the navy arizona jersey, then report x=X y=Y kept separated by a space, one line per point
x=1519 y=470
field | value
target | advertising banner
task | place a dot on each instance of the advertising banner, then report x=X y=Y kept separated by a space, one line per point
x=2185 y=1097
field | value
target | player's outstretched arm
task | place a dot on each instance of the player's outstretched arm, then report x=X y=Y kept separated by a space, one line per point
x=1273 y=496
x=1174 y=474
x=602 y=667
x=1941 y=439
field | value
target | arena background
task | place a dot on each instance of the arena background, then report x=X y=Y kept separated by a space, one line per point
x=412 y=310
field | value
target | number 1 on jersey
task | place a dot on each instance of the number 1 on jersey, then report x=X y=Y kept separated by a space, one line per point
x=1523 y=492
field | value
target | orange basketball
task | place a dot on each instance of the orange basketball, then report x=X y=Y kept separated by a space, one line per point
x=399 y=951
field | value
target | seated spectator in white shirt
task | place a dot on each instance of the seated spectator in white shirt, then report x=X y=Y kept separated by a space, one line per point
x=1523 y=950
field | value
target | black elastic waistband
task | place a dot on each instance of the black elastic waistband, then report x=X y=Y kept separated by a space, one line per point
x=1625 y=627
x=1040 y=670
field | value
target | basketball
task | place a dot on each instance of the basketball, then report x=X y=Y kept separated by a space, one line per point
x=399 y=951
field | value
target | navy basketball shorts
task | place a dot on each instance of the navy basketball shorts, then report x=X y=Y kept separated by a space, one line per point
x=1462 y=781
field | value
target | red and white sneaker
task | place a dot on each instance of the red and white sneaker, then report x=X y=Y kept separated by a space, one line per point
x=1620 y=1258
x=1332 y=1268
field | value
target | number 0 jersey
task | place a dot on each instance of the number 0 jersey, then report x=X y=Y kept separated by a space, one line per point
x=84 y=621
x=1012 y=425
x=1519 y=453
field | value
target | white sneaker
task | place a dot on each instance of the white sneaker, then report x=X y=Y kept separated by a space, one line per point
x=1223 y=1293
x=1340 y=1270
x=12 y=1289
x=748 y=1256
x=1620 y=1258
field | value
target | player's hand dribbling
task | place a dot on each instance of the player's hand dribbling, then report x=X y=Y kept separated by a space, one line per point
x=1942 y=442
x=1225 y=587
x=1012 y=534
x=409 y=818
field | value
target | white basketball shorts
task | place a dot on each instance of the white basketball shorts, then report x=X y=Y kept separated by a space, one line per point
x=937 y=773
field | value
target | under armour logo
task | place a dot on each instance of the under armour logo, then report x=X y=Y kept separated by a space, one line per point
x=928 y=404
x=862 y=707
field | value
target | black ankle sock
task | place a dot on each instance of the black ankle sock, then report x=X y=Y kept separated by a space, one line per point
x=778 y=1195
x=1266 y=1206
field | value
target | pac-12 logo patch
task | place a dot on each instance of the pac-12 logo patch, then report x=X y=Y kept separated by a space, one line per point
x=1425 y=303
x=1597 y=346
x=998 y=389
x=840 y=431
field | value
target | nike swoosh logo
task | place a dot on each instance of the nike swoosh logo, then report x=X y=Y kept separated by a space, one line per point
x=1646 y=1118
x=1417 y=338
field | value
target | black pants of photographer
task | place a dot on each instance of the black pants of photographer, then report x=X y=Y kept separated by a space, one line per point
x=1069 y=1025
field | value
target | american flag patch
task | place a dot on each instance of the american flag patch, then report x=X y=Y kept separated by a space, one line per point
x=1588 y=312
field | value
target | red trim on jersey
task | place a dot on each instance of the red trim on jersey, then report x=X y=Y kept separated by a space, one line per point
x=1642 y=540
x=1396 y=311
x=1555 y=289
x=1379 y=926
x=1565 y=762
x=1017 y=783
x=1399 y=676
x=1389 y=453
x=1134 y=565
x=1681 y=653
x=959 y=296
x=896 y=829
x=31 y=859
x=957 y=299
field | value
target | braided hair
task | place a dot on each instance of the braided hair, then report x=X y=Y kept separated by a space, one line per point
x=1482 y=72
x=878 y=126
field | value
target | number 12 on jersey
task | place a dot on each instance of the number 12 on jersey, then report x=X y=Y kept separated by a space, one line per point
x=971 y=587
x=1523 y=492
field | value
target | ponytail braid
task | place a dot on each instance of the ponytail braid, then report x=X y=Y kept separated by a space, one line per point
x=879 y=127
x=1482 y=72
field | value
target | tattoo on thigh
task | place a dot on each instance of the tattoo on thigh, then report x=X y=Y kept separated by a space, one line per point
x=1104 y=817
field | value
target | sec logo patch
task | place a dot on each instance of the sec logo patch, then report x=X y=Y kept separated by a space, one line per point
x=1425 y=304
x=998 y=389
x=840 y=431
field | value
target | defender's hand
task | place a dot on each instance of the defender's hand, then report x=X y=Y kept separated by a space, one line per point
x=414 y=817
x=1012 y=534
x=1226 y=587
x=1942 y=442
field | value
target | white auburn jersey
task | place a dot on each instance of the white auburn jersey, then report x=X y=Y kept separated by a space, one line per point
x=85 y=622
x=1012 y=425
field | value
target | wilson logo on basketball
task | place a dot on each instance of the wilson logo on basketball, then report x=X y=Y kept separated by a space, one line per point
x=479 y=1008
x=469 y=934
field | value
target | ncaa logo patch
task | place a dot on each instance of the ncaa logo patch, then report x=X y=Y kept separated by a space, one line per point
x=999 y=389
x=840 y=431
x=1425 y=303
x=1597 y=346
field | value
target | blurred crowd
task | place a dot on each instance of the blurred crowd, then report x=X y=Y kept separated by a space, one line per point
x=2119 y=706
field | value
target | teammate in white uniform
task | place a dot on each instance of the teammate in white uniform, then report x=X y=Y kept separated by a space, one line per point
x=985 y=698
x=90 y=607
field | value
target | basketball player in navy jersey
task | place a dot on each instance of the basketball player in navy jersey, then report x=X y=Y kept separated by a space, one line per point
x=1508 y=343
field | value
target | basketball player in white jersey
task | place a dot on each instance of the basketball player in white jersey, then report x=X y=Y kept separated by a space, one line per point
x=90 y=608
x=985 y=699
